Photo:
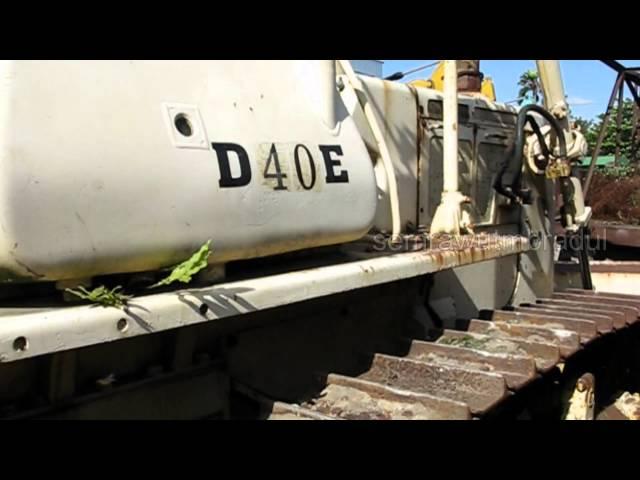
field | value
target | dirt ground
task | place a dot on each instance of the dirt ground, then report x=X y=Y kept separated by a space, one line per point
x=616 y=199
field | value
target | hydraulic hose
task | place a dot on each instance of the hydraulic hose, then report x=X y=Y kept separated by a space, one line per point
x=514 y=157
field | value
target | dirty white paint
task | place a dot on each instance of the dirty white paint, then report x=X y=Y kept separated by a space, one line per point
x=55 y=330
x=97 y=177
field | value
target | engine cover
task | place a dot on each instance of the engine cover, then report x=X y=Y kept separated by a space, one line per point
x=127 y=166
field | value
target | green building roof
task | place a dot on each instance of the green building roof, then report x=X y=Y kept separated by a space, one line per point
x=603 y=161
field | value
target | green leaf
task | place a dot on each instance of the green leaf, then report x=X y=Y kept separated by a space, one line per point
x=531 y=75
x=102 y=296
x=184 y=272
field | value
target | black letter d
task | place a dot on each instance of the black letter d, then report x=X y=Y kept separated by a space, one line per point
x=226 y=179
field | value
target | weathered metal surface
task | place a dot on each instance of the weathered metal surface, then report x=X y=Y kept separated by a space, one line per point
x=67 y=328
x=469 y=372
x=545 y=356
x=479 y=390
x=611 y=413
x=607 y=276
x=567 y=342
x=601 y=297
x=518 y=370
x=592 y=293
x=629 y=405
x=355 y=399
x=283 y=411
x=602 y=323
x=622 y=235
x=607 y=297
x=629 y=267
x=585 y=329
x=619 y=315
x=626 y=407
x=603 y=266
x=469 y=76
x=632 y=307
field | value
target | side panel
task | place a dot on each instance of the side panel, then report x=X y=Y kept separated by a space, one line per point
x=431 y=173
x=396 y=110
x=411 y=120
x=96 y=176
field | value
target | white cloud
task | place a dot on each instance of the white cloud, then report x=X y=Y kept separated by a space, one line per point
x=577 y=101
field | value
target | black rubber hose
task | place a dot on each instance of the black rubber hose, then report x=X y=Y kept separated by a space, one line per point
x=522 y=120
x=508 y=191
x=515 y=157
x=543 y=143
x=583 y=258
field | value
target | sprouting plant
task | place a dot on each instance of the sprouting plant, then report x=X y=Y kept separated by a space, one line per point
x=185 y=271
x=102 y=296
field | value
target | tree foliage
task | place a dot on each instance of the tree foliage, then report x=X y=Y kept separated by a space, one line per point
x=591 y=130
x=530 y=89
x=609 y=143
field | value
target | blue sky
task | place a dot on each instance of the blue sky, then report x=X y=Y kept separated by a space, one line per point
x=588 y=82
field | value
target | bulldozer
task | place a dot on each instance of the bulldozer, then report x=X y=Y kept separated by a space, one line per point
x=365 y=249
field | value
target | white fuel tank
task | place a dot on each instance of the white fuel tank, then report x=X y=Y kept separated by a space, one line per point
x=126 y=166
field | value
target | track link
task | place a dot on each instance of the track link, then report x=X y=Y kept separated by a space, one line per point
x=466 y=374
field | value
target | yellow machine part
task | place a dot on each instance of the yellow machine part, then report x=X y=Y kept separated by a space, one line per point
x=489 y=89
x=436 y=82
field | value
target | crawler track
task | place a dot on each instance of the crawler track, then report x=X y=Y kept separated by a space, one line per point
x=468 y=374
